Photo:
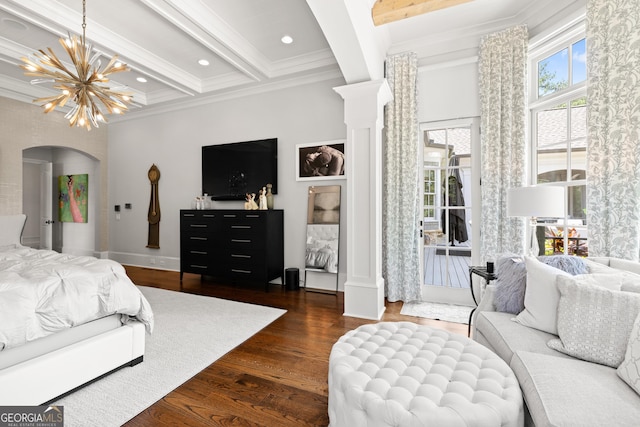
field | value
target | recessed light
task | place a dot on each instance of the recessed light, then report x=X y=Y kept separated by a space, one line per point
x=203 y=62
x=141 y=79
x=286 y=39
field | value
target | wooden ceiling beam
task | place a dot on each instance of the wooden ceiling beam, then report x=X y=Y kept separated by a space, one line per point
x=385 y=11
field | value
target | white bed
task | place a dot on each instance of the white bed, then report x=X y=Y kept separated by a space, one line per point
x=69 y=340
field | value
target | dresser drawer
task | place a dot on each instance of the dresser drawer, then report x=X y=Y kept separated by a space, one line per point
x=198 y=240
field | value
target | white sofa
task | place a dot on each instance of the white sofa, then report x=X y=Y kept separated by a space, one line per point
x=558 y=389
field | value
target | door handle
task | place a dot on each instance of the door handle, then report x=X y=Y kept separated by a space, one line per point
x=49 y=221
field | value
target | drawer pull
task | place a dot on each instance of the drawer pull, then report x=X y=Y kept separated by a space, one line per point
x=202 y=267
x=230 y=216
x=198 y=252
x=241 y=240
x=241 y=226
x=208 y=216
x=198 y=238
x=241 y=271
x=253 y=216
x=198 y=225
x=189 y=215
x=240 y=256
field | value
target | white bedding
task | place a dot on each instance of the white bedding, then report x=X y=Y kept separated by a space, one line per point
x=42 y=292
x=322 y=247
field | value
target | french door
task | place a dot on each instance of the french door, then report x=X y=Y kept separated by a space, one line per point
x=451 y=191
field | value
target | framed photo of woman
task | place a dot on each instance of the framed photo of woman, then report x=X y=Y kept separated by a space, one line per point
x=320 y=160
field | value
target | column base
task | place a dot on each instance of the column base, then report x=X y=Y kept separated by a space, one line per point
x=364 y=300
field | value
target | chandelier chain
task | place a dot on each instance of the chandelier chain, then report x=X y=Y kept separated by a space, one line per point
x=84 y=21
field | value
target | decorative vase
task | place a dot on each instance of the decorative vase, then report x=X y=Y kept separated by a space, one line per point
x=269 y=197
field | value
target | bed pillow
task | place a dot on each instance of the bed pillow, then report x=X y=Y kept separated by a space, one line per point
x=11 y=227
x=541 y=296
x=510 y=284
x=594 y=323
x=629 y=369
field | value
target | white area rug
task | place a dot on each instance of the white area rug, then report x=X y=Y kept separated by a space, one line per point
x=191 y=332
x=431 y=310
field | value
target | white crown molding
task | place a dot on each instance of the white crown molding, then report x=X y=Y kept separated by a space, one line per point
x=469 y=37
x=324 y=75
x=310 y=61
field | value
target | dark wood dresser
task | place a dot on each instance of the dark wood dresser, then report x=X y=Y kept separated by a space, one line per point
x=232 y=245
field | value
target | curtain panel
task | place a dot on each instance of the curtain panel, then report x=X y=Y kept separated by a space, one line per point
x=503 y=102
x=613 y=128
x=401 y=201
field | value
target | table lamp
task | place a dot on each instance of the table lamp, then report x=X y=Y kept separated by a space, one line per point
x=534 y=202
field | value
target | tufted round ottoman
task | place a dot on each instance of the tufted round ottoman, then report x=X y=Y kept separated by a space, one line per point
x=405 y=374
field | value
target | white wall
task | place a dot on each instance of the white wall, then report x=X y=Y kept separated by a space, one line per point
x=77 y=238
x=173 y=141
x=448 y=91
x=31 y=204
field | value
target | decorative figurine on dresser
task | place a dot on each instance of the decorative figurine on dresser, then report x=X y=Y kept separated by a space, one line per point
x=262 y=200
x=269 y=196
x=234 y=245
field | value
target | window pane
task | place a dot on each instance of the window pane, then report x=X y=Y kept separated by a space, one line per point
x=553 y=73
x=552 y=136
x=577 y=202
x=579 y=61
x=554 y=240
x=578 y=138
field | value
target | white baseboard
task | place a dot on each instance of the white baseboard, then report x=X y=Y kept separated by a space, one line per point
x=151 y=261
x=77 y=251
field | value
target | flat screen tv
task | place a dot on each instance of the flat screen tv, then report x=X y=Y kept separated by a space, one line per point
x=230 y=171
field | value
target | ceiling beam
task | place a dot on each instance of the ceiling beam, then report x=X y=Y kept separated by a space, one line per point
x=385 y=11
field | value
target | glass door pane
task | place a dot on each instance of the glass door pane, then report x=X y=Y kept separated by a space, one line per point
x=447 y=207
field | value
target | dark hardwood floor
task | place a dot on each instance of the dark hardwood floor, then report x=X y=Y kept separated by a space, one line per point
x=278 y=377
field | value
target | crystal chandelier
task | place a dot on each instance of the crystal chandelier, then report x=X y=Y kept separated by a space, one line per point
x=85 y=87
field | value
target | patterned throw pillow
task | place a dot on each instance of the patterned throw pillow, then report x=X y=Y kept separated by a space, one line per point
x=629 y=369
x=594 y=323
x=510 y=284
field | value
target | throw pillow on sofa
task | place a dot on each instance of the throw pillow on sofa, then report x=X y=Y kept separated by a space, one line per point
x=541 y=296
x=629 y=369
x=625 y=280
x=510 y=284
x=594 y=323
x=570 y=264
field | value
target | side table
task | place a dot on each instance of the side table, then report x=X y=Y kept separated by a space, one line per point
x=488 y=277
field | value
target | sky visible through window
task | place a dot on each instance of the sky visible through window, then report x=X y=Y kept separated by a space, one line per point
x=553 y=71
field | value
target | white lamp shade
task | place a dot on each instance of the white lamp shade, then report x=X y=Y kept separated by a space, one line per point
x=538 y=201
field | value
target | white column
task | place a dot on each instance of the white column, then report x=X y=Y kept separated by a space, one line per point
x=364 y=117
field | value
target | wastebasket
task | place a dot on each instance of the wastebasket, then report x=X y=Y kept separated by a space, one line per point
x=292 y=279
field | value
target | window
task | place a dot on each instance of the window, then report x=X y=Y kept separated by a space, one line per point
x=430 y=190
x=559 y=136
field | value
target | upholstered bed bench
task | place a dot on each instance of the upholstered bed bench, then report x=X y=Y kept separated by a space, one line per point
x=405 y=374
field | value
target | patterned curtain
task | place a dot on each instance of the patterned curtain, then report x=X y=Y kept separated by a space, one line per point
x=401 y=201
x=503 y=89
x=613 y=122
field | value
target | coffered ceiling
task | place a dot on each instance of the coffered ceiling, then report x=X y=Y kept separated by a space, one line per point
x=163 y=40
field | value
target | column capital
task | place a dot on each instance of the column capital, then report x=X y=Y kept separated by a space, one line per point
x=364 y=102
